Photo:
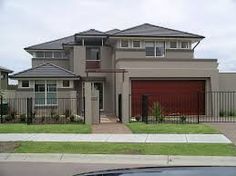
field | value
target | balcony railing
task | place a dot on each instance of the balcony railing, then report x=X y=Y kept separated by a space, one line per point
x=92 y=64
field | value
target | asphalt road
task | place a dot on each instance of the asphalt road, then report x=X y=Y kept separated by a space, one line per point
x=54 y=169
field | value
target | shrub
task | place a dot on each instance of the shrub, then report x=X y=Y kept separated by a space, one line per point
x=72 y=118
x=56 y=117
x=157 y=112
x=22 y=117
x=8 y=117
x=182 y=119
x=222 y=113
x=67 y=113
x=138 y=118
x=231 y=113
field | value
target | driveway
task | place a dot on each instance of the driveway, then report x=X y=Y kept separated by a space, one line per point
x=228 y=129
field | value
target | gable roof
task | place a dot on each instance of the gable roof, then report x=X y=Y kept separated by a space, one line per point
x=46 y=70
x=113 y=31
x=3 y=69
x=52 y=45
x=149 y=30
x=92 y=32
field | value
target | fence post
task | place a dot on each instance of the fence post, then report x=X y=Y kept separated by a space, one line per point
x=120 y=107
x=29 y=111
x=1 y=108
x=145 y=108
x=198 y=107
x=83 y=101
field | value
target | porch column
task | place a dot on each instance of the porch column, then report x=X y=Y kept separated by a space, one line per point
x=88 y=102
x=125 y=99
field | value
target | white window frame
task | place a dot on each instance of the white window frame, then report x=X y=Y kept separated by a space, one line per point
x=21 y=85
x=177 y=45
x=45 y=94
x=155 y=45
x=124 y=46
x=67 y=86
x=140 y=45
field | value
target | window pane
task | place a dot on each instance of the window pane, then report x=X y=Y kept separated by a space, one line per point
x=51 y=98
x=66 y=83
x=184 y=44
x=48 y=54
x=58 y=54
x=51 y=87
x=39 y=87
x=124 y=43
x=136 y=44
x=160 y=49
x=39 y=54
x=149 y=48
x=40 y=98
x=92 y=53
x=25 y=84
x=173 y=44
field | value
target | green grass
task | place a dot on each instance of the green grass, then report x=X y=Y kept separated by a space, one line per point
x=128 y=148
x=52 y=128
x=171 y=128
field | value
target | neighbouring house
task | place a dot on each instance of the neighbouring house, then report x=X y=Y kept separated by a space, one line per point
x=4 y=78
x=145 y=59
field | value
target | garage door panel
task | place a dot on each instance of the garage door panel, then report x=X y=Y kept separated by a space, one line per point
x=174 y=96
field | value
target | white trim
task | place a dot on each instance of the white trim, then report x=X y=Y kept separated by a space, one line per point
x=125 y=46
x=155 y=45
x=132 y=41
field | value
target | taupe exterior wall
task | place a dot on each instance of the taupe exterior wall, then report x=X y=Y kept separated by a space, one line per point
x=227 y=81
x=64 y=63
x=171 y=69
x=4 y=81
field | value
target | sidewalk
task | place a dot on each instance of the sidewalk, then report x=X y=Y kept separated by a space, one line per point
x=158 y=160
x=126 y=138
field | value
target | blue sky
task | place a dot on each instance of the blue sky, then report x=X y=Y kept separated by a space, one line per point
x=26 y=22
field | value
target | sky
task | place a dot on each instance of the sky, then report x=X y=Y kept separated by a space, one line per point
x=26 y=22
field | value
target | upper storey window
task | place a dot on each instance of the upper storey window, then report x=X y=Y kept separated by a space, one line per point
x=93 y=53
x=155 y=49
x=173 y=44
x=50 y=54
x=185 y=45
x=136 y=44
x=124 y=43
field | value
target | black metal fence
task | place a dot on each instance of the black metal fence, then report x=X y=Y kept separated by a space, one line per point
x=36 y=111
x=177 y=107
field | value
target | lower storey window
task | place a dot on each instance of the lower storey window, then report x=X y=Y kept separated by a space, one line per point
x=45 y=93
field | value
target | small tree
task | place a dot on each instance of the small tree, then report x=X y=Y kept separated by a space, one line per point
x=157 y=112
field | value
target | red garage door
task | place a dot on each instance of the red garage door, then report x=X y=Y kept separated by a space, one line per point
x=174 y=96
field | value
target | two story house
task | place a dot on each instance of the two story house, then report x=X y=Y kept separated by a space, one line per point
x=139 y=60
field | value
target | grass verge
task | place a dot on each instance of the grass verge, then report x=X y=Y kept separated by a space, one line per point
x=52 y=128
x=171 y=128
x=127 y=148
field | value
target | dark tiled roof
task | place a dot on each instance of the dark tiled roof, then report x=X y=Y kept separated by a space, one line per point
x=149 y=30
x=113 y=31
x=5 y=70
x=51 y=45
x=144 y=30
x=46 y=70
x=92 y=32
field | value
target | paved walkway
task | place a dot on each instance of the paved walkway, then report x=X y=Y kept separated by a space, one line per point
x=158 y=160
x=110 y=128
x=126 y=138
x=228 y=129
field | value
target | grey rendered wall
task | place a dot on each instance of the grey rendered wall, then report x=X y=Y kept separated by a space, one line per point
x=179 y=53
x=227 y=81
x=64 y=63
x=4 y=82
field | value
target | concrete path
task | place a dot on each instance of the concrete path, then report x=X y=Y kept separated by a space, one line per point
x=126 y=138
x=228 y=129
x=158 y=160
x=110 y=128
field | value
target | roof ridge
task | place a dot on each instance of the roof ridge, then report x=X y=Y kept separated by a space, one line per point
x=27 y=48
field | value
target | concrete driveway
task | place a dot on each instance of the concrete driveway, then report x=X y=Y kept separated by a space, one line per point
x=228 y=129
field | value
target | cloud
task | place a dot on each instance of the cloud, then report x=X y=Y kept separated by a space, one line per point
x=26 y=22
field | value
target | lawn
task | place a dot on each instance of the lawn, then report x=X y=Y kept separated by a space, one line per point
x=127 y=148
x=138 y=127
x=52 y=128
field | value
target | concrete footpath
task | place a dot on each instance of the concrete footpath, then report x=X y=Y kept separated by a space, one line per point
x=160 y=160
x=126 y=138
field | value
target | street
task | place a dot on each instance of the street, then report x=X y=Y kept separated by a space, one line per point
x=54 y=169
